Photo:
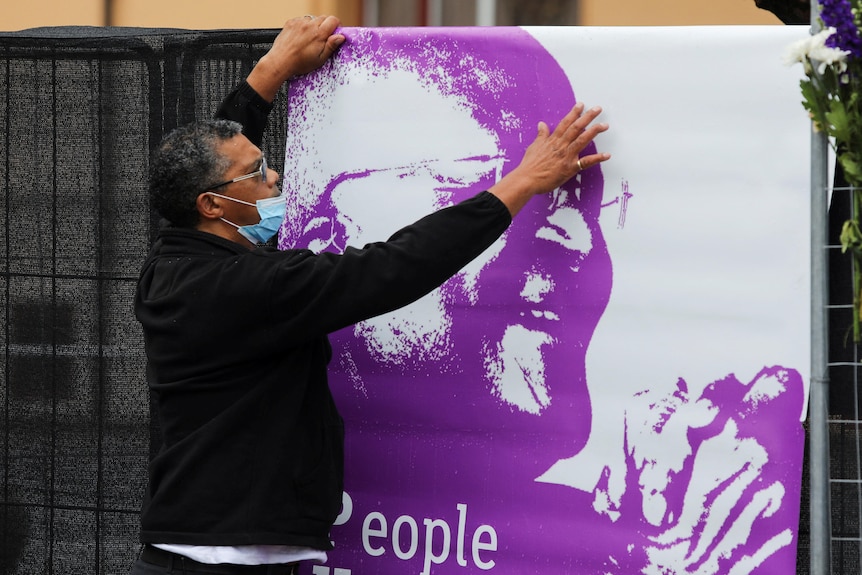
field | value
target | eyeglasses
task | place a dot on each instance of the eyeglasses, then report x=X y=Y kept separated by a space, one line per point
x=259 y=172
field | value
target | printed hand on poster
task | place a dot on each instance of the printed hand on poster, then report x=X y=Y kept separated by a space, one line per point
x=707 y=476
x=471 y=429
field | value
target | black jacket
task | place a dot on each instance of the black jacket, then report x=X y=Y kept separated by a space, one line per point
x=237 y=350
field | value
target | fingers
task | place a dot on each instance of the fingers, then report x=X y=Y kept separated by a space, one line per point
x=333 y=42
x=312 y=27
x=570 y=118
x=544 y=131
x=304 y=44
x=582 y=130
x=577 y=121
x=577 y=130
x=552 y=158
x=586 y=162
x=322 y=28
x=584 y=118
x=326 y=24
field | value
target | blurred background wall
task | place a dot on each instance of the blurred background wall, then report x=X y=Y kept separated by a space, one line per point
x=227 y=14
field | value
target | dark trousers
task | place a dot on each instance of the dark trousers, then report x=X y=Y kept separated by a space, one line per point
x=158 y=562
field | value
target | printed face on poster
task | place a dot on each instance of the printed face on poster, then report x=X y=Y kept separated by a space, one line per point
x=616 y=385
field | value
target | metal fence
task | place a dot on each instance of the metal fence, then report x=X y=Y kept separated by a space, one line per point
x=81 y=109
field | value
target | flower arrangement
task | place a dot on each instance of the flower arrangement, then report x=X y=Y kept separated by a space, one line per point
x=832 y=61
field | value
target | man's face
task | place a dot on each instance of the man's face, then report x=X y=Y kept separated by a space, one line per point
x=245 y=159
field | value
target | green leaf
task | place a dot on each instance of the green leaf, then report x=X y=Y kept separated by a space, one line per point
x=851 y=238
x=852 y=168
x=839 y=121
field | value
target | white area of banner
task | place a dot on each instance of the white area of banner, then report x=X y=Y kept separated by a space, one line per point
x=711 y=256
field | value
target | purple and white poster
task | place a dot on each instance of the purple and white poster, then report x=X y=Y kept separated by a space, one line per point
x=614 y=387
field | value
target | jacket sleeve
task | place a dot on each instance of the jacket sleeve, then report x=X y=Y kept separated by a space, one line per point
x=319 y=294
x=247 y=107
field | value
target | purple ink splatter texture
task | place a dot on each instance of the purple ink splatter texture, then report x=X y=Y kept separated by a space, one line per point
x=458 y=407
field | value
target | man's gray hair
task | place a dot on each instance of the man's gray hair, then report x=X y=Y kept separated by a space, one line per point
x=186 y=163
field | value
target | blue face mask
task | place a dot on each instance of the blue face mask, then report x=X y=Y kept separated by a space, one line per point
x=271 y=211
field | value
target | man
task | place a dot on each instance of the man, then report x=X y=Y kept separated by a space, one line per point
x=249 y=479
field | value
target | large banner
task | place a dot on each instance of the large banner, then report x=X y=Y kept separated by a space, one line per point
x=616 y=386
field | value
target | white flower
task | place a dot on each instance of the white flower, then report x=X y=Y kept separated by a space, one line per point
x=800 y=51
x=829 y=57
x=819 y=52
x=797 y=52
x=818 y=40
x=814 y=49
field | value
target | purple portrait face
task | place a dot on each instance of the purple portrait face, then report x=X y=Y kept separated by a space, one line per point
x=433 y=124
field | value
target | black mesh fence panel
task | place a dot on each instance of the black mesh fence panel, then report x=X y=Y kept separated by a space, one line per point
x=81 y=109
x=845 y=440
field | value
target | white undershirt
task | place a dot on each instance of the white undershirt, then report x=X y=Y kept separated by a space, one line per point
x=245 y=554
